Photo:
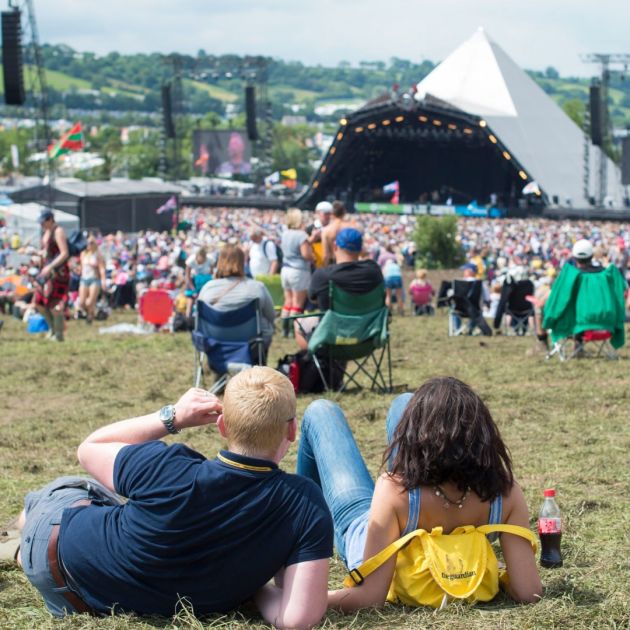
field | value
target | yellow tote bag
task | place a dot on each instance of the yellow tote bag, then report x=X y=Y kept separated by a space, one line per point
x=433 y=567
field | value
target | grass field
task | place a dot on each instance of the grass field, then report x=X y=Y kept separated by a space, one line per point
x=566 y=426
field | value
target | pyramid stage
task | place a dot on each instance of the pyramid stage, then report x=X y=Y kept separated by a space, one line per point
x=476 y=132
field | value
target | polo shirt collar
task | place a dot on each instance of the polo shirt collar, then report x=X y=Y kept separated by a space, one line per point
x=242 y=462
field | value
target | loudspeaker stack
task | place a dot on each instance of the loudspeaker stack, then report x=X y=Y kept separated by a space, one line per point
x=250 y=110
x=12 y=57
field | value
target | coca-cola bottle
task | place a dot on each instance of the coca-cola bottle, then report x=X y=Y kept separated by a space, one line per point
x=550 y=531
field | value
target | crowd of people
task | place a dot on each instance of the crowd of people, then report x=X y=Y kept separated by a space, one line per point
x=114 y=269
x=446 y=469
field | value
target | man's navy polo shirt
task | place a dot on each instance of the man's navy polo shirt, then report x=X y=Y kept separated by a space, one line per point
x=213 y=532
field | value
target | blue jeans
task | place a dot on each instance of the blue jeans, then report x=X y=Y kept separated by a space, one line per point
x=329 y=455
x=44 y=509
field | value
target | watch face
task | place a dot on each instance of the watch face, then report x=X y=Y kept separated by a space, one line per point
x=166 y=413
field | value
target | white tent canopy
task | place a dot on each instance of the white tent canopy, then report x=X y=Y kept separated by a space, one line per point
x=479 y=78
x=23 y=219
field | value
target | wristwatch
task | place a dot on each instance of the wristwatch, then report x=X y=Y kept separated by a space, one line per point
x=167 y=416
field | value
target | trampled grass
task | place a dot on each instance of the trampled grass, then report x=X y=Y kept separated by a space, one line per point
x=566 y=425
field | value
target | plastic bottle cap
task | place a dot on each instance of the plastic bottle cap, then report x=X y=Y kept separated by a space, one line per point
x=550 y=492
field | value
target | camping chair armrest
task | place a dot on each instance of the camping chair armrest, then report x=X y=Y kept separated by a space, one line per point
x=304 y=315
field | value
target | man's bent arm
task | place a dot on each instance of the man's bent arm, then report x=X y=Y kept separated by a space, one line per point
x=301 y=600
x=98 y=451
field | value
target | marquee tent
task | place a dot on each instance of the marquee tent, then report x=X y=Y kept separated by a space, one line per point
x=23 y=219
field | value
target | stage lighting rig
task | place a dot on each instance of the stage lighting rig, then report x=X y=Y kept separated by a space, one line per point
x=606 y=62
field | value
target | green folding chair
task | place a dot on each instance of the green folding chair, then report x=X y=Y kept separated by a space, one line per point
x=274 y=286
x=354 y=332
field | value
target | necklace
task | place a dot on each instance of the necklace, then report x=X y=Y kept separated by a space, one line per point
x=448 y=501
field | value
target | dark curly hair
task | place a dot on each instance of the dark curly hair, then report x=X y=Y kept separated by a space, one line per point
x=446 y=433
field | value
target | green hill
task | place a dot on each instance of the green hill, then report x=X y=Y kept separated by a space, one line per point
x=132 y=83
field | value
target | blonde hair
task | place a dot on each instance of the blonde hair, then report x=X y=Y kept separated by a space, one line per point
x=294 y=218
x=421 y=274
x=231 y=262
x=257 y=405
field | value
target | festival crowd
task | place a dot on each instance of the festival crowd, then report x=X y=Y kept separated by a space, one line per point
x=115 y=269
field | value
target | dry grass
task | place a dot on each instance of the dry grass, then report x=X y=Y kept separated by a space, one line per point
x=566 y=425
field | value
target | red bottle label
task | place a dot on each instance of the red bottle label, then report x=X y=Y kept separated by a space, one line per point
x=549 y=526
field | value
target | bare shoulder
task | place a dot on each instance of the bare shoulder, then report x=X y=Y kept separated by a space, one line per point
x=515 y=505
x=389 y=489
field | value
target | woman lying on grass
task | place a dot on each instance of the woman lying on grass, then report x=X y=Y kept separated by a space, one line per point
x=446 y=467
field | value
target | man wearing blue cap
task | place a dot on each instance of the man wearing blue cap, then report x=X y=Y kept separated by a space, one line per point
x=348 y=273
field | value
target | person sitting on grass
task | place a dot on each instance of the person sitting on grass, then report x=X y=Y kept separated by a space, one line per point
x=422 y=293
x=445 y=466
x=213 y=532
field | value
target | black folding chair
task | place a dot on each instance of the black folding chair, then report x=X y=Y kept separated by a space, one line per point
x=464 y=299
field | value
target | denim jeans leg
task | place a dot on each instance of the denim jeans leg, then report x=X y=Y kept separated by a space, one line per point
x=393 y=418
x=329 y=455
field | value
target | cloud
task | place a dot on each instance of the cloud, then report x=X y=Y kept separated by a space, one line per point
x=537 y=33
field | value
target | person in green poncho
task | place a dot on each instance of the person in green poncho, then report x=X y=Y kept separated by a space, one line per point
x=586 y=297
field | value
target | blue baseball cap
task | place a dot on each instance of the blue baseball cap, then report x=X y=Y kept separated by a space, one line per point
x=46 y=214
x=349 y=239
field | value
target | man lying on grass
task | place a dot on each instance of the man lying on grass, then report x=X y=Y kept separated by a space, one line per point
x=215 y=532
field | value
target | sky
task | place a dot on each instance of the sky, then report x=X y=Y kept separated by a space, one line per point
x=535 y=33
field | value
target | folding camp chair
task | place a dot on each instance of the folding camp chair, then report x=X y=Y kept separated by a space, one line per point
x=587 y=309
x=231 y=341
x=598 y=338
x=274 y=286
x=155 y=307
x=353 y=334
x=518 y=312
x=464 y=297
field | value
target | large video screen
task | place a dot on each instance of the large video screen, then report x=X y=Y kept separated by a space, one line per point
x=224 y=152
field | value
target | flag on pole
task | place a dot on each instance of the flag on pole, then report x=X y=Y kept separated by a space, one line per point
x=274 y=178
x=70 y=141
x=393 y=187
x=171 y=204
x=290 y=173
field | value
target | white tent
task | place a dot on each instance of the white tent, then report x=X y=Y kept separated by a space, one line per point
x=23 y=219
x=479 y=78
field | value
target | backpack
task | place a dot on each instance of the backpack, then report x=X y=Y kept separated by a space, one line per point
x=77 y=242
x=279 y=254
x=301 y=370
x=432 y=567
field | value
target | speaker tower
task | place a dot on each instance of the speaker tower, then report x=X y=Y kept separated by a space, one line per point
x=597 y=115
x=12 y=58
x=250 y=110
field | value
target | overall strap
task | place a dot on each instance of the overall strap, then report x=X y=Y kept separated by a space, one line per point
x=496 y=511
x=516 y=530
x=356 y=576
x=415 y=500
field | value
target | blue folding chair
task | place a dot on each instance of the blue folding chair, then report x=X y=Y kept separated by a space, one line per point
x=231 y=341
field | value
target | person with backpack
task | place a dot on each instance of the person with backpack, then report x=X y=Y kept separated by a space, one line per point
x=53 y=280
x=418 y=536
x=264 y=255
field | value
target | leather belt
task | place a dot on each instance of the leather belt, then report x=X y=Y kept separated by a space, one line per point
x=55 y=568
